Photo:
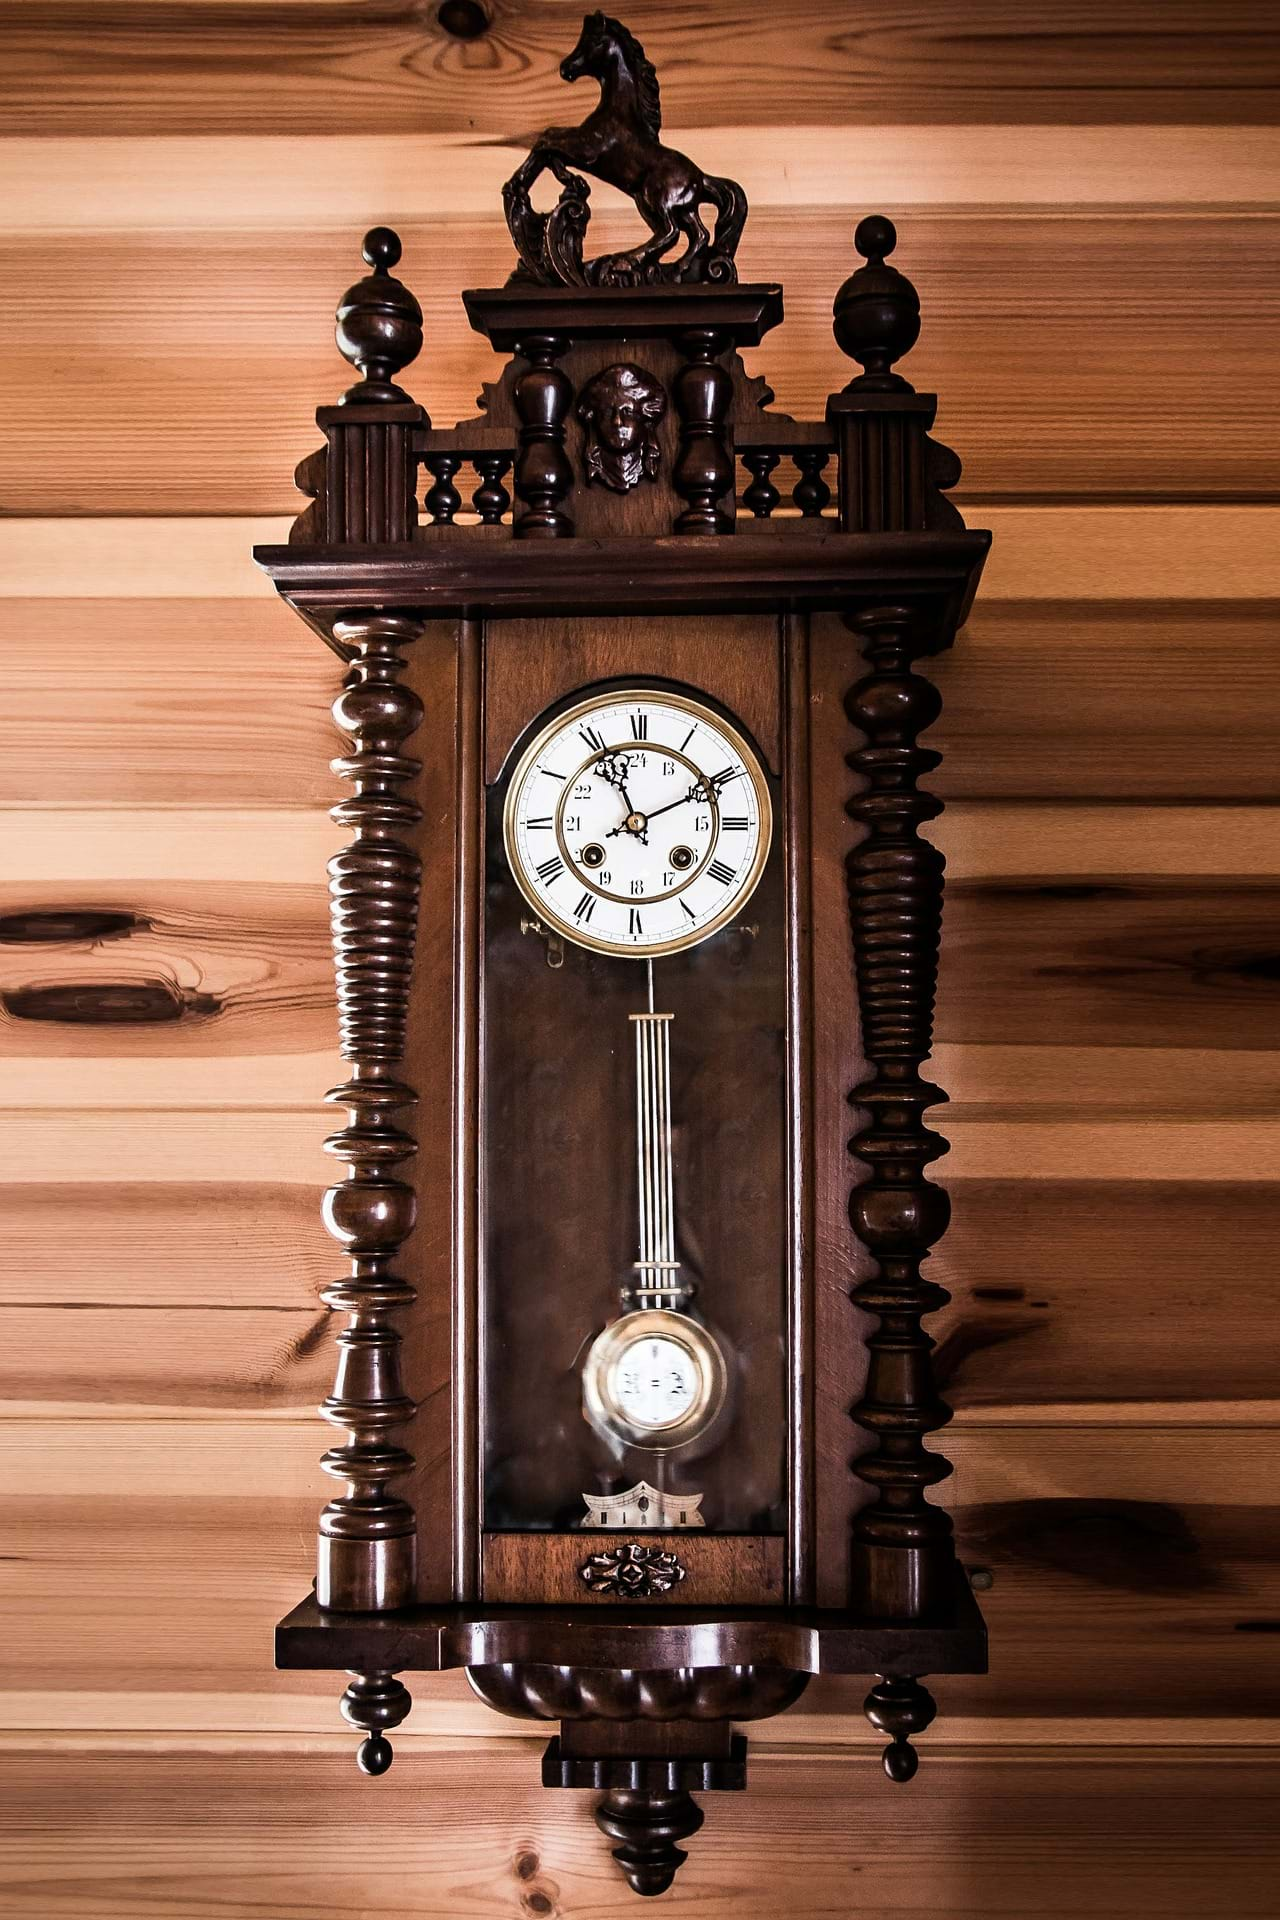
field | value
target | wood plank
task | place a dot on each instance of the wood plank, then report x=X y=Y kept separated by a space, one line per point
x=200 y=397
x=310 y=65
x=128 y=1246
x=145 y=703
x=1062 y=701
x=210 y=703
x=159 y=183
x=190 y=1835
x=225 y=703
x=241 y=971
x=1058 y=554
x=1098 y=1292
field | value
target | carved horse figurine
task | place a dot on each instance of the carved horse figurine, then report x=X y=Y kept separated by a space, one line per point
x=619 y=143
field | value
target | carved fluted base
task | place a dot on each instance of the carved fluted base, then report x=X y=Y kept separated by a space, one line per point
x=647 y=1826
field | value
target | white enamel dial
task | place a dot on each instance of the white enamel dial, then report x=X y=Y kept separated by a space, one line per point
x=655 y=1379
x=638 y=823
x=654 y=1383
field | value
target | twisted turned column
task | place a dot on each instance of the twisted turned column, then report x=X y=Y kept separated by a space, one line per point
x=367 y=1557
x=903 y=1558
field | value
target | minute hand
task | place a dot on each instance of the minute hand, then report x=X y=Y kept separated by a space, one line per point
x=700 y=790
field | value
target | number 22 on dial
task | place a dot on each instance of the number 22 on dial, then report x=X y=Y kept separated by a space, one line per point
x=637 y=822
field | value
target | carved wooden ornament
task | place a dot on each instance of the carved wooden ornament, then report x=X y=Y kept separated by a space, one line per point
x=604 y=1011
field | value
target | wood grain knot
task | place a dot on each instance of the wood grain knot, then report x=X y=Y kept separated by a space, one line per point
x=40 y=927
x=120 y=1003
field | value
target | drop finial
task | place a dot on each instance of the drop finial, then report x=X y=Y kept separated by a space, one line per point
x=900 y=1707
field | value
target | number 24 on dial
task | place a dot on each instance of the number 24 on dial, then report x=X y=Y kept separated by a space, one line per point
x=637 y=823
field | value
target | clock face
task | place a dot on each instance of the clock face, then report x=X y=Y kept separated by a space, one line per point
x=638 y=823
x=654 y=1383
x=654 y=1379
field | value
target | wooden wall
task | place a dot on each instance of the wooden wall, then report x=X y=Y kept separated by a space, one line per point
x=1086 y=196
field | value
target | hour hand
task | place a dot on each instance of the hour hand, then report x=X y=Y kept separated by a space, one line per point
x=614 y=769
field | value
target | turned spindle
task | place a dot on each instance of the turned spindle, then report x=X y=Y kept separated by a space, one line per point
x=543 y=475
x=704 y=467
x=903 y=1559
x=367 y=1557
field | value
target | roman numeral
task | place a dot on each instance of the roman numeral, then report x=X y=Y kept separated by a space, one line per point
x=552 y=776
x=688 y=737
x=720 y=872
x=592 y=739
x=686 y=908
x=729 y=823
x=544 y=820
x=722 y=779
x=634 y=925
x=550 y=870
x=639 y=726
x=585 y=908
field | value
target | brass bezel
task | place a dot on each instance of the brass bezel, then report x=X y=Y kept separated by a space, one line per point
x=569 y=929
x=649 y=1323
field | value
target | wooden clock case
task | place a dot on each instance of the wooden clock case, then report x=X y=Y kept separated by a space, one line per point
x=461 y=624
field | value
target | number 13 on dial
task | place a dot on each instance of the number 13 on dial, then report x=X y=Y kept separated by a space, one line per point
x=637 y=823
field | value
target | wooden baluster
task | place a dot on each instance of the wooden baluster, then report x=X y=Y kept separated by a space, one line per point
x=491 y=498
x=543 y=475
x=761 y=497
x=811 y=493
x=443 y=499
x=368 y=1537
x=704 y=468
x=903 y=1558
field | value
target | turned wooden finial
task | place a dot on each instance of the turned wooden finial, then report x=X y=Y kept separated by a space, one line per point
x=379 y=323
x=877 y=311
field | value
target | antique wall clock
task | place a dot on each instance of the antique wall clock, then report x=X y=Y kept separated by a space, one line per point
x=612 y=962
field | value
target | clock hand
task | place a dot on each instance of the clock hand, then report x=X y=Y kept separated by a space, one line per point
x=618 y=779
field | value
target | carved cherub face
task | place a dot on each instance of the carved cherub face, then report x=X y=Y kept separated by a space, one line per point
x=620 y=410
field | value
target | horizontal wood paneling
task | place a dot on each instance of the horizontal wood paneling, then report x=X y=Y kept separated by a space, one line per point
x=466 y=1830
x=311 y=64
x=1095 y=1292
x=339 y=183
x=194 y=365
x=211 y=703
x=164 y=703
x=1160 y=701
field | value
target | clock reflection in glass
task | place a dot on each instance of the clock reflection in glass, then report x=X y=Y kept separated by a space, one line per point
x=638 y=823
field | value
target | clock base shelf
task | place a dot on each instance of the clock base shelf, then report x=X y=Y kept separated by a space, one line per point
x=434 y=1639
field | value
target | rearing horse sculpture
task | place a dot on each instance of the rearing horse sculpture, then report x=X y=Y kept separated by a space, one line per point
x=619 y=144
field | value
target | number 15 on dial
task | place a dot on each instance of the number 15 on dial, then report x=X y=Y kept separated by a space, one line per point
x=637 y=823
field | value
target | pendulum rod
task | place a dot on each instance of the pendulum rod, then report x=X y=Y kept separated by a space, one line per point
x=657 y=1268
